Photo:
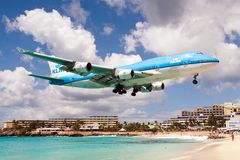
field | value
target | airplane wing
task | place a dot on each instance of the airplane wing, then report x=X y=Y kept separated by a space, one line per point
x=53 y=59
x=104 y=75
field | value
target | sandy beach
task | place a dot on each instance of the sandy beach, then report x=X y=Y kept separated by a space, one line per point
x=216 y=149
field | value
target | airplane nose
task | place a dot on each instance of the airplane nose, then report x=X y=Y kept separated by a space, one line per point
x=212 y=59
x=216 y=60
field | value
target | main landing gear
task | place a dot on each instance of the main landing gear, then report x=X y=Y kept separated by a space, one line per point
x=195 y=79
x=119 y=89
x=163 y=86
x=135 y=90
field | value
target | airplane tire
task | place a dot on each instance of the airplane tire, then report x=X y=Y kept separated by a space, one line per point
x=162 y=86
x=195 y=81
x=120 y=92
x=115 y=90
x=133 y=94
x=124 y=91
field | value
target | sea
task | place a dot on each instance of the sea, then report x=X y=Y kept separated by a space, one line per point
x=97 y=148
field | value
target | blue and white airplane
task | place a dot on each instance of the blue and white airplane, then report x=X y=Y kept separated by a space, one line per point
x=144 y=76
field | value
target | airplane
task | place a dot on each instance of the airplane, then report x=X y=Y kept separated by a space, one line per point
x=145 y=76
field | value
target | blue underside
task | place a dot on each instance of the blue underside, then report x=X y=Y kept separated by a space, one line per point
x=186 y=58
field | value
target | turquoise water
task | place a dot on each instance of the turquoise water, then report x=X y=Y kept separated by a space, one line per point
x=92 y=148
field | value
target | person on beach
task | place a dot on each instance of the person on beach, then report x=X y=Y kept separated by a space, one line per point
x=232 y=136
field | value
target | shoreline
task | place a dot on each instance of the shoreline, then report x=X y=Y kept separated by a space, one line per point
x=221 y=149
x=225 y=150
x=183 y=134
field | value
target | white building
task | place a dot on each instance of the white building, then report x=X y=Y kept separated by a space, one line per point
x=90 y=127
x=48 y=129
x=234 y=122
x=166 y=124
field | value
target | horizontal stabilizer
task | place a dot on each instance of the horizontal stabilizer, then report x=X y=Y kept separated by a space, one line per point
x=46 y=78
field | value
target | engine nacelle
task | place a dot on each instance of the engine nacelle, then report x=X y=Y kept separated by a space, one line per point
x=124 y=73
x=145 y=89
x=82 y=67
x=157 y=86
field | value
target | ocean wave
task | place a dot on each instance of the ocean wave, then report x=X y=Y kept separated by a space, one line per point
x=196 y=138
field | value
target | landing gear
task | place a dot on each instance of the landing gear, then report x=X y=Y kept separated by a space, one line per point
x=195 y=79
x=115 y=90
x=133 y=94
x=124 y=91
x=119 y=89
x=162 y=86
x=135 y=90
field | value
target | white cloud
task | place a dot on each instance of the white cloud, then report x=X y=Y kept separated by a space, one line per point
x=201 y=26
x=116 y=59
x=161 y=12
x=15 y=87
x=119 y=4
x=9 y=26
x=65 y=41
x=107 y=30
x=116 y=3
x=133 y=112
x=76 y=12
x=130 y=43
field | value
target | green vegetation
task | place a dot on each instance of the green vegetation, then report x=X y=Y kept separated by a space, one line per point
x=215 y=122
x=212 y=123
x=131 y=127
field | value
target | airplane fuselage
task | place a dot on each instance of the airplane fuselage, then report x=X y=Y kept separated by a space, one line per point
x=162 y=68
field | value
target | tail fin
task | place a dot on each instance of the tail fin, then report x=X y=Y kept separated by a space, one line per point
x=55 y=69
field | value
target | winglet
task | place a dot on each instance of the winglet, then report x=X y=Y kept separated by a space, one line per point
x=21 y=50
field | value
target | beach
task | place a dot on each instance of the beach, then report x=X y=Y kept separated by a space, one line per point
x=224 y=149
x=220 y=150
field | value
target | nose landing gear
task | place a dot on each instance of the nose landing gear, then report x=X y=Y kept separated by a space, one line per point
x=195 y=79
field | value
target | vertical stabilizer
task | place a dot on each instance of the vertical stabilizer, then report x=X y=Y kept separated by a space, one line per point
x=55 y=69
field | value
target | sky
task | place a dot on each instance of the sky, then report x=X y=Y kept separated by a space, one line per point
x=112 y=33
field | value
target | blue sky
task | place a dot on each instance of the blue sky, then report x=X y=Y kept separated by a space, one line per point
x=152 y=31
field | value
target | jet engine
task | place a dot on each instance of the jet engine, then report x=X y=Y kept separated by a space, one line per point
x=157 y=86
x=124 y=73
x=82 y=67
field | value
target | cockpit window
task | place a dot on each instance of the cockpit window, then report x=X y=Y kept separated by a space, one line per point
x=199 y=53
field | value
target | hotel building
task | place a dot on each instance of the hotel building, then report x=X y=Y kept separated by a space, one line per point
x=104 y=121
x=201 y=114
x=234 y=122
x=230 y=108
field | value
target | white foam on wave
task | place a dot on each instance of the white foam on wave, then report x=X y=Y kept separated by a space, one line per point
x=196 y=138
